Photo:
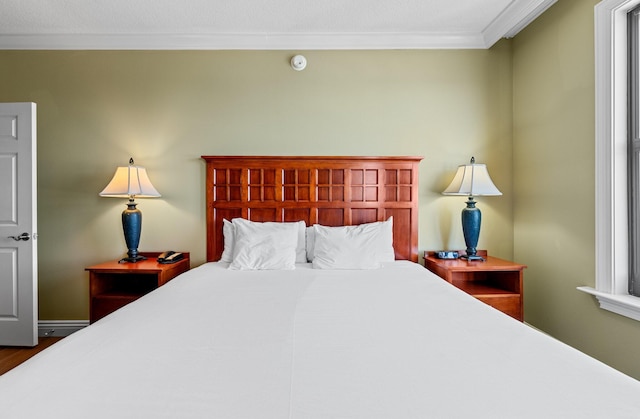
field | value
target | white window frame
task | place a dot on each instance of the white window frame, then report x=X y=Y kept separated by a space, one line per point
x=612 y=267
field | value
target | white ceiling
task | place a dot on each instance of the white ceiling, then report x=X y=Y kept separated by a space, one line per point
x=262 y=24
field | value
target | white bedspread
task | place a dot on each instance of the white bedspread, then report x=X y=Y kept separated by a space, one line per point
x=397 y=342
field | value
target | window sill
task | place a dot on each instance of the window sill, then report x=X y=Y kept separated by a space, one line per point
x=624 y=305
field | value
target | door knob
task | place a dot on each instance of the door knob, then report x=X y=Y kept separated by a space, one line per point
x=23 y=236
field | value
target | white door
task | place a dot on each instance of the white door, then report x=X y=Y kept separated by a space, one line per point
x=18 y=227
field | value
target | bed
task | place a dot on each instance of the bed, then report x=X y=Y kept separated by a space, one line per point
x=391 y=341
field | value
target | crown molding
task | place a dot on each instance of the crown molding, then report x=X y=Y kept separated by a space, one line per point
x=240 y=41
x=515 y=17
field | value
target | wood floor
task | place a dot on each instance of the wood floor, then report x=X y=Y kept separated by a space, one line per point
x=11 y=356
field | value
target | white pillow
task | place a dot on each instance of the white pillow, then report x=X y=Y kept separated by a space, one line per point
x=301 y=253
x=383 y=243
x=310 y=242
x=264 y=245
x=353 y=247
x=228 y=233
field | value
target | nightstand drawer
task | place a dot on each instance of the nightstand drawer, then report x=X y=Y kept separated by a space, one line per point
x=107 y=304
x=508 y=304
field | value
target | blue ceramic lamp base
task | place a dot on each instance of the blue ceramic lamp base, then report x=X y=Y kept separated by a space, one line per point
x=132 y=226
x=471 y=219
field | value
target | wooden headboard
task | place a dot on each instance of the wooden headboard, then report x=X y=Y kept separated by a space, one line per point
x=332 y=191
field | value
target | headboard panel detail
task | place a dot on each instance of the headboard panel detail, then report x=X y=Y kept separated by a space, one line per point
x=332 y=191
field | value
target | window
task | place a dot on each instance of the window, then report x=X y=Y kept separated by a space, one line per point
x=633 y=152
x=612 y=226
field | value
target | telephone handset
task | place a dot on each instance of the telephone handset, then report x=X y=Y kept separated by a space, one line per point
x=170 y=257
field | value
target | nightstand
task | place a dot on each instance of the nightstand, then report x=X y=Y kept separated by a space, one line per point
x=496 y=282
x=113 y=285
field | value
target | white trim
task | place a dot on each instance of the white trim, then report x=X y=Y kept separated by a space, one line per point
x=625 y=305
x=611 y=159
x=246 y=41
x=513 y=19
x=60 y=327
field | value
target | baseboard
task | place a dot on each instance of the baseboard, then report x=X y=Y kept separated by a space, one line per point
x=60 y=327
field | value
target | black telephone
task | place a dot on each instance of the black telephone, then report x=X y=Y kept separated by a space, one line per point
x=170 y=257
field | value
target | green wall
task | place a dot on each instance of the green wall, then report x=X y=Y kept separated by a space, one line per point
x=525 y=107
x=554 y=184
x=167 y=108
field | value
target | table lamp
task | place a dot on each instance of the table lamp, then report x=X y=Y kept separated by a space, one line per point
x=472 y=180
x=131 y=182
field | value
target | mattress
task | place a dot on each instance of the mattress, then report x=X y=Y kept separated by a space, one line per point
x=395 y=342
